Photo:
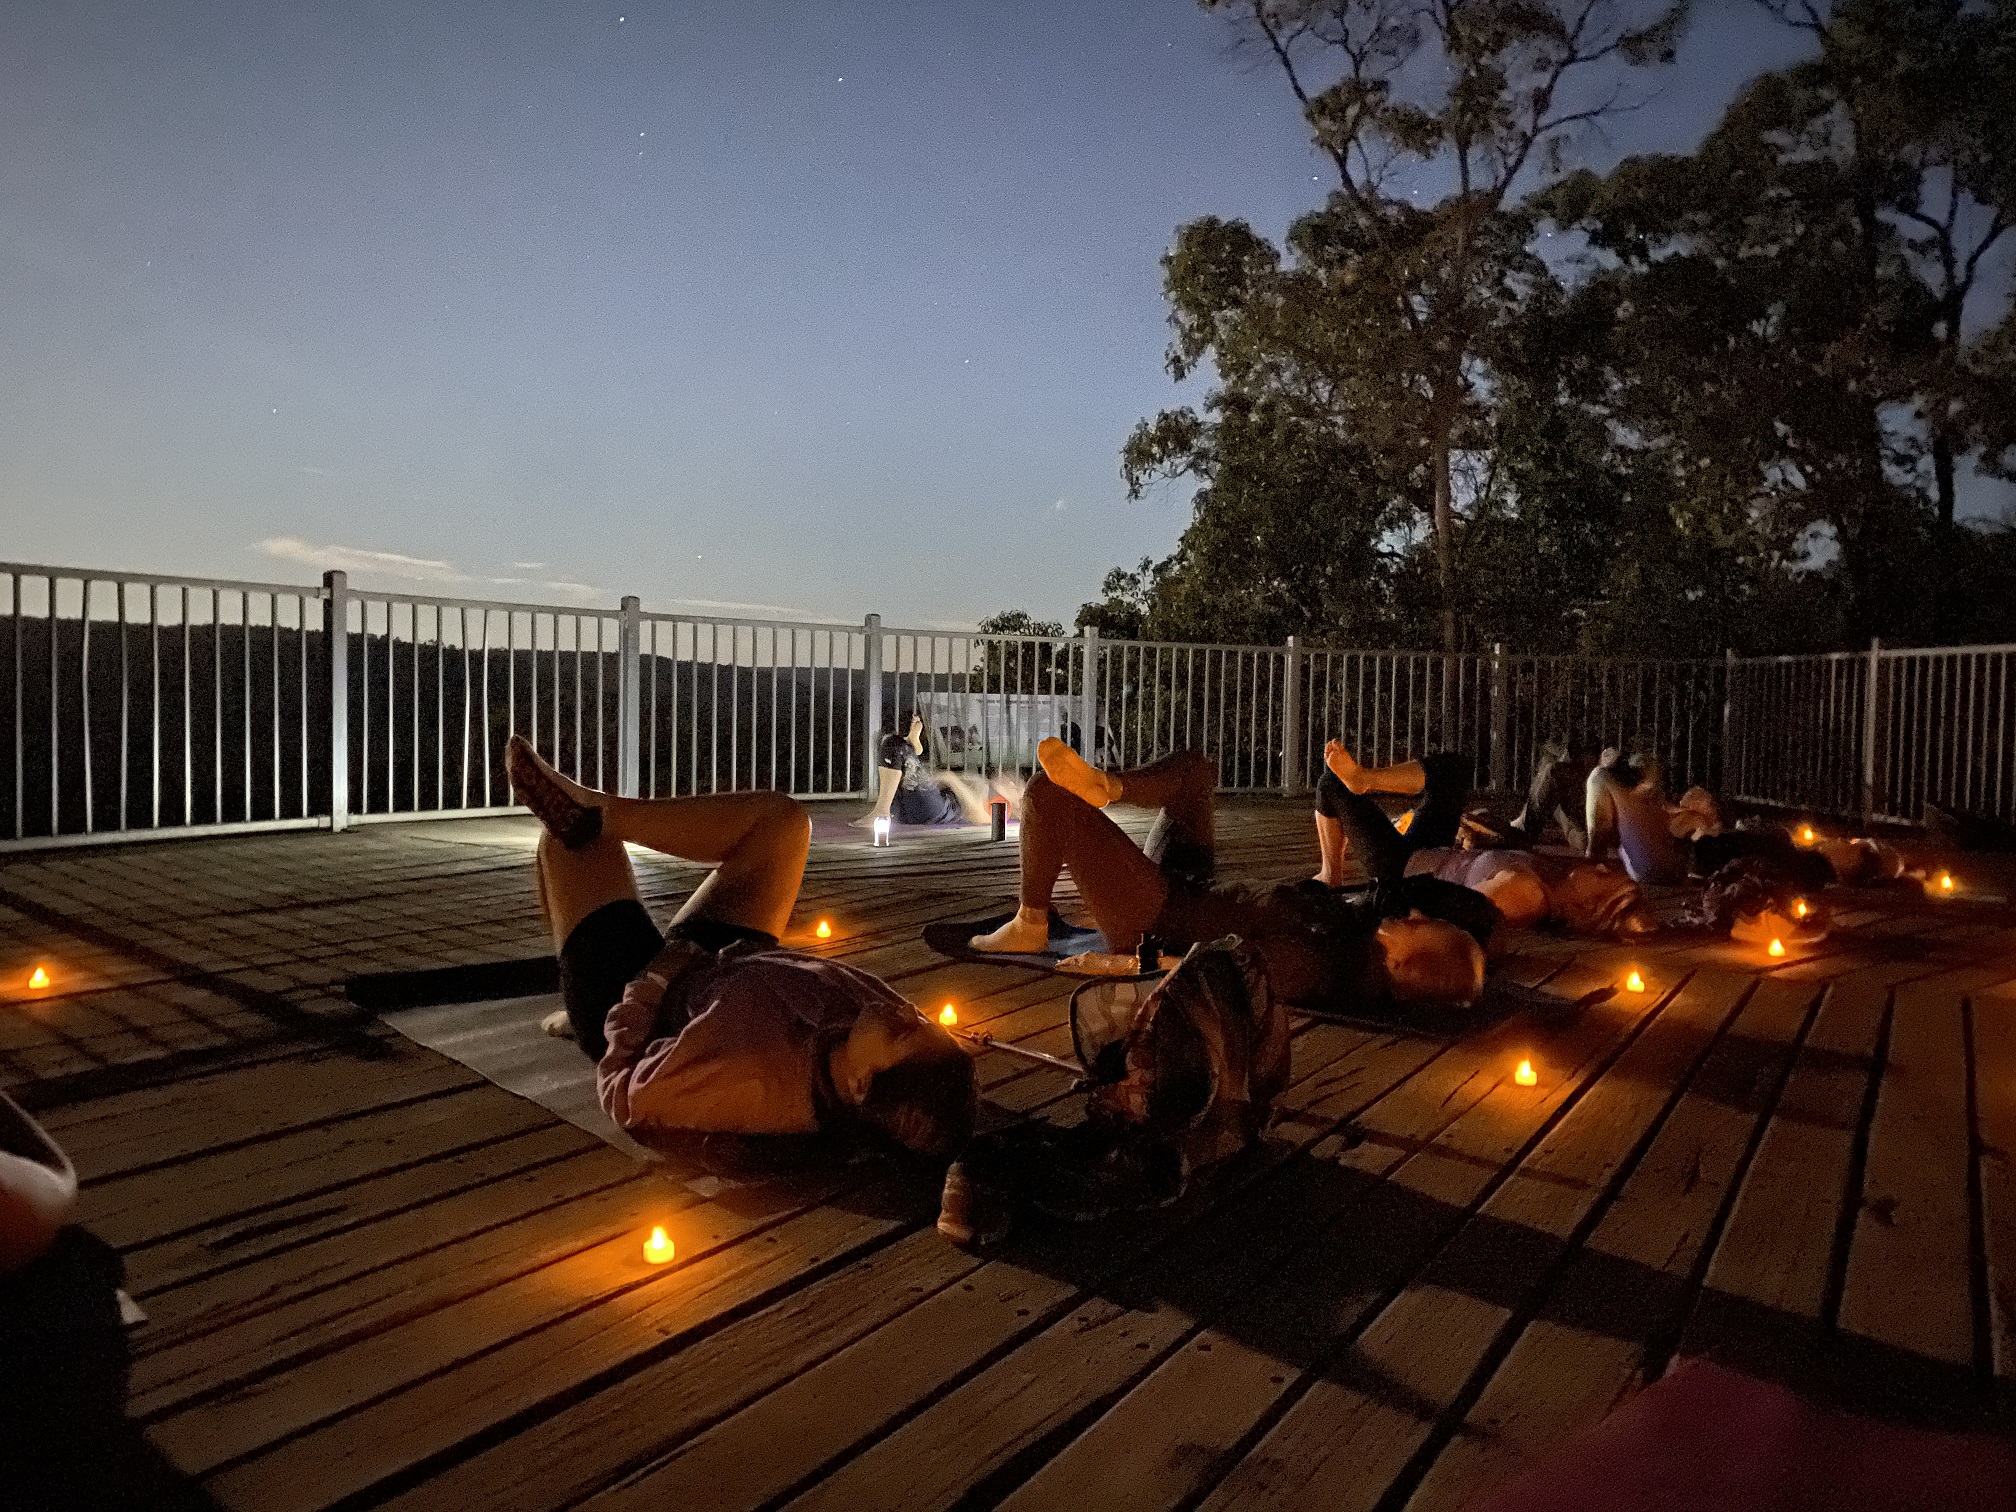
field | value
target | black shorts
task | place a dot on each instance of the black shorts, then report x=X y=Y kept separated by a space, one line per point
x=607 y=950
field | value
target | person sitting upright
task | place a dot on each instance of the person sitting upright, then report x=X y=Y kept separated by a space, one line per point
x=1318 y=949
x=711 y=1025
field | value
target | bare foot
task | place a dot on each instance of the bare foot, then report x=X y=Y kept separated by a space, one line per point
x=1340 y=762
x=1025 y=934
x=558 y=1024
x=1075 y=775
x=866 y=821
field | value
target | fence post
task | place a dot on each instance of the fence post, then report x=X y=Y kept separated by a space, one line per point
x=1728 y=777
x=871 y=734
x=1501 y=710
x=1291 y=720
x=336 y=635
x=629 y=722
x=1088 y=712
x=1872 y=730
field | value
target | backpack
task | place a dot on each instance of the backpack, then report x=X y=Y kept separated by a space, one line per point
x=1198 y=1062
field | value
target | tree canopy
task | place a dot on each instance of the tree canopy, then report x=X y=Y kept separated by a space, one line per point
x=1735 y=415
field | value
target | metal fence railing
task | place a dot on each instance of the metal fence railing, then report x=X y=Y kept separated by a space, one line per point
x=137 y=705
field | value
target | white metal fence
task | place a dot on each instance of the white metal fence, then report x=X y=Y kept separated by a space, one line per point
x=135 y=705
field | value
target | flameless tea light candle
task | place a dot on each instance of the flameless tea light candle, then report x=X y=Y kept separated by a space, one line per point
x=948 y=1015
x=1775 y=948
x=1634 y=983
x=38 y=979
x=881 y=830
x=658 y=1248
x=823 y=929
x=1525 y=1076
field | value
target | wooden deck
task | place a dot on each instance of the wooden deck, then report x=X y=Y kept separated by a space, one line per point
x=373 y=1278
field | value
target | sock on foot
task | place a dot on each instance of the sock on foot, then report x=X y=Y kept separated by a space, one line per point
x=1025 y=934
x=1075 y=775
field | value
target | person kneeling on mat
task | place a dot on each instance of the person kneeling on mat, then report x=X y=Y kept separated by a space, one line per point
x=712 y=1026
x=1420 y=941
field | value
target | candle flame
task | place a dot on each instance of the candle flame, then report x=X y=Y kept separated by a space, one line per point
x=824 y=930
x=1799 y=909
x=1525 y=1076
x=38 y=978
x=1634 y=983
x=1805 y=834
x=948 y=1015
x=658 y=1248
x=1945 y=881
x=1775 y=948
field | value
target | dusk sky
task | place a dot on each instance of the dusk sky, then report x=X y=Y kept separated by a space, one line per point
x=828 y=307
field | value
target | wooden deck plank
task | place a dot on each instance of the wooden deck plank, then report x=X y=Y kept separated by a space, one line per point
x=1626 y=1286
x=1908 y=1282
x=236 y=1183
x=449 y=1322
x=1993 y=1021
x=850 y=1396
x=1360 y=1424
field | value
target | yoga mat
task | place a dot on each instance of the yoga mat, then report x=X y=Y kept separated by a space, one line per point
x=485 y=981
x=949 y=940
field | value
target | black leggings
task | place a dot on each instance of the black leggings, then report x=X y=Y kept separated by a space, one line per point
x=1381 y=848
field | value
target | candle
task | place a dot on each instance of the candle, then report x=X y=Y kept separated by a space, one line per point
x=1525 y=1076
x=881 y=830
x=658 y=1248
x=1775 y=948
x=1806 y=836
x=1634 y=983
x=948 y=1015
x=38 y=978
x=824 y=930
x=1946 y=882
x=1799 y=908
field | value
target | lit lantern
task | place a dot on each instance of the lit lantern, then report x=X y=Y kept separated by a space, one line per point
x=1634 y=983
x=948 y=1015
x=658 y=1248
x=823 y=930
x=1525 y=1075
x=1775 y=948
x=1945 y=882
x=38 y=978
x=881 y=830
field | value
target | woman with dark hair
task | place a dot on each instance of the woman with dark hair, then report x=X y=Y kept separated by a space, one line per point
x=711 y=1025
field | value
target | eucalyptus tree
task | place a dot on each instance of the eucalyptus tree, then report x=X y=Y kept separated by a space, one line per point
x=1376 y=334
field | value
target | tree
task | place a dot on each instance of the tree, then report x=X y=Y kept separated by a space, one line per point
x=1376 y=340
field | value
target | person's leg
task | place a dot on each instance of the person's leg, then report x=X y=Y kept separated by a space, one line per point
x=1444 y=790
x=1557 y=797
x=1368 y=833
x=969 y=793
x=1636 y=816
x=756 y=842
x=1332 y=845
x=1122 y=887
x=1404 y=778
